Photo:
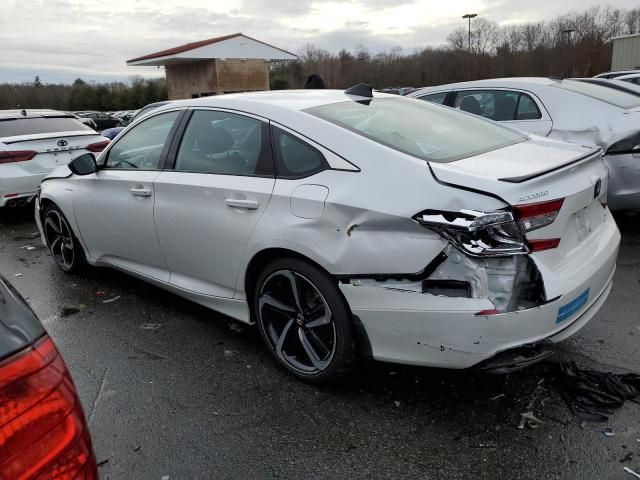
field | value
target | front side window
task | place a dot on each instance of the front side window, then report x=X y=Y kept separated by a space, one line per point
x=224 y=143
x=295 y=158
x=419 y=129
x=435 y=97
x=141 y=147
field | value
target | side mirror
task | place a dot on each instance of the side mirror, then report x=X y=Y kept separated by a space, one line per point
x=84 y=164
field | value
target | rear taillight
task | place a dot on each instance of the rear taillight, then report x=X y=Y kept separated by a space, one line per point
x=17 y=156
x=98 y=146
x=537 y=215
x=43 y=434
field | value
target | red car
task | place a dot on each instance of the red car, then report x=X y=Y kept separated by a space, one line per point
x=43 y=433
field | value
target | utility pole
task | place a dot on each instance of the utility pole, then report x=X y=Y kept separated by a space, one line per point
x=469 y=16
x=568 y=33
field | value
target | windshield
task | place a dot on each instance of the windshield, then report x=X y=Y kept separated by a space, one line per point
x=29 y=126
x=605 y=94
x=421 y=129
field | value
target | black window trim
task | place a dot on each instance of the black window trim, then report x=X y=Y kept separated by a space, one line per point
x=172 y=151
x=163 y=155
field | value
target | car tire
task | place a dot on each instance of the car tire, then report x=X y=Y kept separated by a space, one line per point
x=61 y=241
x=310 y=333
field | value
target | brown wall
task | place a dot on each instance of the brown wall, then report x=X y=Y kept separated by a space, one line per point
x=216 y=76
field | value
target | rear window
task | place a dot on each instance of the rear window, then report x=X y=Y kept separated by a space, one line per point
x=420 y=129
x=31 y=126
x=604 y=94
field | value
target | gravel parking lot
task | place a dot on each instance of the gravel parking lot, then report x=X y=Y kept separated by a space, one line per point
x=172 y=390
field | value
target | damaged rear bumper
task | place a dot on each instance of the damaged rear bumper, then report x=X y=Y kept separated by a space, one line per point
x=411 y=327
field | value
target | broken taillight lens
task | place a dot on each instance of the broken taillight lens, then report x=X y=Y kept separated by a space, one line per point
x=537 y=215
x=478 y=234
x=43 y=434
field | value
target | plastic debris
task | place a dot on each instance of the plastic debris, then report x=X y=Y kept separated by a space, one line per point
x=608 y=432
x=631 y=472
x=150 y=326
x=28 y=247
x=529 y=420
x=113 y=299
x=396 y=403
x=99 y=293
x=18 y=275
x=593 y=395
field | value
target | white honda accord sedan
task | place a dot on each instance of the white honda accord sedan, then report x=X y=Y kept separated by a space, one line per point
x=347 y=224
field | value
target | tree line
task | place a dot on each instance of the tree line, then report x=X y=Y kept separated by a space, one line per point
x=82 y=95
x=576 y=44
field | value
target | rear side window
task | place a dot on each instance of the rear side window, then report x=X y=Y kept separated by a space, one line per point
x=435 y=97
x=498 y=105
x=224 y=143
x=295 y=158
x=31 y=126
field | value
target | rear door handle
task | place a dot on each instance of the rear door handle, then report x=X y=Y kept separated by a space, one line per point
x=242 y=203
x=140 y=191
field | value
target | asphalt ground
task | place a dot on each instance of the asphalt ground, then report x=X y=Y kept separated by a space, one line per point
x=172 y=390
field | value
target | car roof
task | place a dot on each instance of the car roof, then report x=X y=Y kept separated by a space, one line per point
x=629 y=75
x=506 y=82
x=291 y=100
x=32 y=113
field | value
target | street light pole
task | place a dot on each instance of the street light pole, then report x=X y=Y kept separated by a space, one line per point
x=469 y=16
x=568 y=33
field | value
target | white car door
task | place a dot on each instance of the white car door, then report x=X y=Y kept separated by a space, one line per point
x=114 y=206
x=208 y=206
x=519 y=109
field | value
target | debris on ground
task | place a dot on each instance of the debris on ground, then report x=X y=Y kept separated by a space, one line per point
x=100 y=293
x=103 y=462
x=150 y=326
x=68 y=311
x=28 y=247
x=18 y=275
x=631 y=472
x=112 y=299
x=236 y=327
x=608 y=432
x=396 y=403
x=593 y=395
x=527 y=418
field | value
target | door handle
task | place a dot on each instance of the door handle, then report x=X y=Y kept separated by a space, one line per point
x=242 y=203
x=140 y=191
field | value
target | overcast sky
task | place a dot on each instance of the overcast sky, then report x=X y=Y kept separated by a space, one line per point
x=64 y=39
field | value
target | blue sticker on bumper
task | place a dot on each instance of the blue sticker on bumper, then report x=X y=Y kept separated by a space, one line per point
x=573 y=306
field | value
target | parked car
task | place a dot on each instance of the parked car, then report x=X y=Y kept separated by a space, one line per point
x=630 y=78
x=43 y=433
x=101 y=119
x=346 y=222
x=112 y=133
x=34 y=142
x=616 y=73
x=567 y=110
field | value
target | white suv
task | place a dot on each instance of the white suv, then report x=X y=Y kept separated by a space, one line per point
x=34 y=142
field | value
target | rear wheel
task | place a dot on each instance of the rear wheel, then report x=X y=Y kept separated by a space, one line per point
x=63 y=244
x=304 y=320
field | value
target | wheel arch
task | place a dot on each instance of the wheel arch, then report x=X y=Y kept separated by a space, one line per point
x=263 y=257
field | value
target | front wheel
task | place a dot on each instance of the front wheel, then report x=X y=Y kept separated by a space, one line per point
x=304 y=320
x=63 y=244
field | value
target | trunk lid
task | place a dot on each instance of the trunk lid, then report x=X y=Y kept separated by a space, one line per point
x=540 y=170
x=53 y=149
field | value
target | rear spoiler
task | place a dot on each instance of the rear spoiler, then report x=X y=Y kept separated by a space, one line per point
x=530 y=176
x=51 y=135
